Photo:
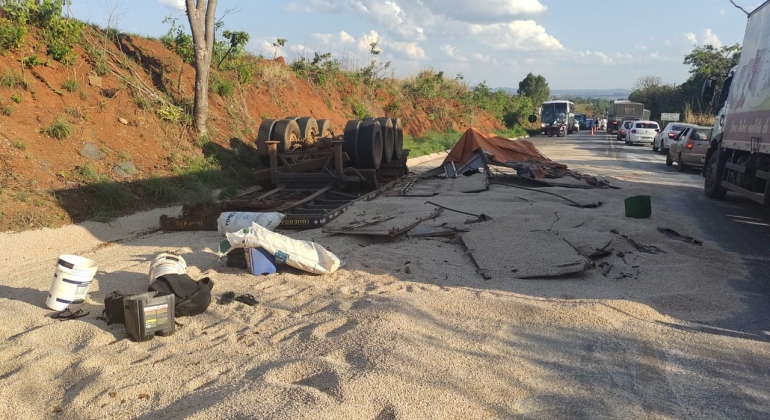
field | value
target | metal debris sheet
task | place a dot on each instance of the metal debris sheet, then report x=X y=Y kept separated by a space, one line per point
x=505 y=248
x=382 y=218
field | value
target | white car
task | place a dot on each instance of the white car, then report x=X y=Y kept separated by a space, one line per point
x=666 y=136
x=642 y=132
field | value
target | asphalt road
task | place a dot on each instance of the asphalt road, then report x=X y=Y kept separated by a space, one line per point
x=738 y=225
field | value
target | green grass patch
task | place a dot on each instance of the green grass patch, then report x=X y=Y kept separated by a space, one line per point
x=19 y=144
x=60 y=129
x=161 y=189
x=431 y=142
x=16 y=97
x=12 y=79
x=70 y=85
x=6 y=109
x=112 y=194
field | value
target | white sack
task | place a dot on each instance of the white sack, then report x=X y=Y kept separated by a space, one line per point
x=305 y=255
x=233 y=221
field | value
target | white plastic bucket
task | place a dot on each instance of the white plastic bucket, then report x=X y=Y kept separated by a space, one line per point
x=166 y=263
x=71 y=281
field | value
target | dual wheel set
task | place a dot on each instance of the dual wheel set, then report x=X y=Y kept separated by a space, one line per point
x=368 y=142
x=373 y=141
x=292 y=132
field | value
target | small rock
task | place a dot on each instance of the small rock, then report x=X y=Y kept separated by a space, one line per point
x=95 y=81
x=124 y=169
x=407 y=270
x=91 y=151
x=123 y=121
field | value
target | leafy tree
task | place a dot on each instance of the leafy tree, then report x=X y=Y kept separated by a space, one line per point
x=200 y=13
x=707 y=61
x=535 y=88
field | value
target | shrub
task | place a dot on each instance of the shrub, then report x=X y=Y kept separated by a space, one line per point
x=70 y=85
x=161 y=189
x=170 y=113
x=87 y=173
x=60 y=129
x=11 y=35
x=112 y=194
x=222 y=87
x=16 y=97
x=19 y=144
x=12 y=79
x=6 y=109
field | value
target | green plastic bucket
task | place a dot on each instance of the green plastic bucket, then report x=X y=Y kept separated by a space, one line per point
x=638 y=206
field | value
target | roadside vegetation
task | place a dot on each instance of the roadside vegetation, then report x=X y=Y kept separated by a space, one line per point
x=434 y=109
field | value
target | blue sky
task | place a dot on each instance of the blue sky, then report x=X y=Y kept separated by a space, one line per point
x=573 y=44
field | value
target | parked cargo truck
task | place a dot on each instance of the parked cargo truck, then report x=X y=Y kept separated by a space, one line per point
x=739 y=157
x=620 y=110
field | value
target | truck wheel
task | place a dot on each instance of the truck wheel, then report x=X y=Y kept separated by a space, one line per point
x=713 y=177
x=287 y=133
x=398 y=137
x=264 y=134
x=669 y=161
x=370 y=144
x=308 y=128
x=350 y=136
x=325 y=129
x=388 y=138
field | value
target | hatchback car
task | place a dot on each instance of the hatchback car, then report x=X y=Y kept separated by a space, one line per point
x=689 y=148
x=642 y=132
x=623 y=129
x=666 y=136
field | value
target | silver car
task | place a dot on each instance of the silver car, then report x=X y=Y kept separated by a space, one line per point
x=642 y=132
x=689 y=148
x=666 y=136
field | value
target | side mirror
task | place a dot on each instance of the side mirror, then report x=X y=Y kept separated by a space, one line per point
x=532 y=119
x=707 y=93
x=657 y=130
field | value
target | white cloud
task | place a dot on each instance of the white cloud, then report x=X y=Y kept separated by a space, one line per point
x=346 y=37
x=325 y=5
x=174 y=4
x=519 y=35
x=325 y=39
x=641 y=47
x=448 y=50
x=409 y=49
x=710 y=38
x=419 y=20
x=366 y=40
x=294 y=7
x=480 y=58
x=391 y=16
x=691 y=38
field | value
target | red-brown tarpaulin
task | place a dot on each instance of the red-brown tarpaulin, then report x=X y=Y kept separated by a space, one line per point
x=505 y=152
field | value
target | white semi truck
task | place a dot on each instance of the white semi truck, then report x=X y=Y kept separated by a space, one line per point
x=739 y=157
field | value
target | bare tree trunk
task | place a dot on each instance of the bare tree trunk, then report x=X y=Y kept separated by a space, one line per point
x=201 y=13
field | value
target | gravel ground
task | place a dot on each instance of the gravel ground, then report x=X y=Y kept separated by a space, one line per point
x=407 y=329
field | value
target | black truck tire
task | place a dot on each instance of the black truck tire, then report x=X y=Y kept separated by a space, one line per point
x=287 y=133
x=350 y=136
x=264 y=134
x=388 y=138
x=398 y=138
x=325 y=129
x=308 y=128
x=712 y=174
x=370 y=145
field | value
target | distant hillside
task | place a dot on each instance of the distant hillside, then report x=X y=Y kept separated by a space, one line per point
x=583 y=93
